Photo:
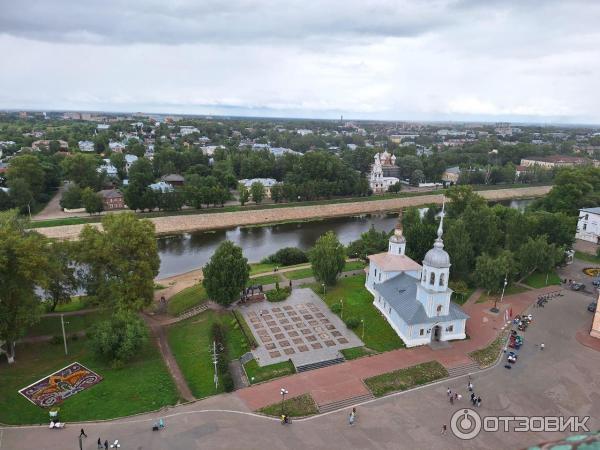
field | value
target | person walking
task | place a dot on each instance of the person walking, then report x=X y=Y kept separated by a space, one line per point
x=478 y=402
x=82 y=433
x=542 y=346
x=470 y=386
x=351 y=418
x=444 y=429
x=449 y=392
x=106 y=444
x=99 y=443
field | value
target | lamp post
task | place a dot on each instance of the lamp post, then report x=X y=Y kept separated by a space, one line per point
x=323 y=284
x=363 y=331
x=62 y=323
x=495 y=308
x=283 y=392
x=342 y=308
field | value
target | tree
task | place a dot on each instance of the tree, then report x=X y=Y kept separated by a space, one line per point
x=490 y=272
x=120 y=261
x=170 y=201
x=244 y=194
x=71 y=197
x=5 y=201
x=118 y=160
x=461 y=197
x=287 y=256
x=277 y=193
x=370 y=242
x=327 y=258
x=29 y=169
x=460 y=248
x=82 y=170
x=395 y=188
x=92 y=202
x=120 y=338
x=226 y=274
x=417 y=177
x=63 y=282
x=24 y=266
x=20 y=194
x=257 y=190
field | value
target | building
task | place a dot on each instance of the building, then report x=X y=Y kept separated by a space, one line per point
x=595 y=331
x=112 y=199
x=451 y=175
x=107 y=167
x=173 y=179
x=129 y=160
x=86 y=146
x=588 y=225
x=102 y=126
x=398 y=138
x=549 y=162
x=384 y=173
x=267 y=183
x=415 y=299
x=188 y=129
x=45 y=143
x=117 y=147
x=161 y=186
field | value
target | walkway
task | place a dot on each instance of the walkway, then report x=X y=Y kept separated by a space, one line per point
x=213 y=221
x=344 y=381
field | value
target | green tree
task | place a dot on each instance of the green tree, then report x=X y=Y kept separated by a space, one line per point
x=29 y=169
x=460 y=248
x=20 y=194
x=82 y=170
x=92 y=202
x=71 y=197
x=370 y=242
x=277 y=193
x=119 y=339
x=244 y=194
x=327 y=258
x=118 y=160
x=490 y=272
x=121 y=261
x=24 y=266
x=63 y=281
x=417 y=177
x=461 y=197
x=226 y=274
x=257 y=191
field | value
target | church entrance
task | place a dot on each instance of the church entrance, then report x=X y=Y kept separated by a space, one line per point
x=436 y=333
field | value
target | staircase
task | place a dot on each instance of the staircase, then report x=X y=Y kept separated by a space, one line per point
x=192 y=312
x=463 y=370
x=347 y=403
x=319 y=365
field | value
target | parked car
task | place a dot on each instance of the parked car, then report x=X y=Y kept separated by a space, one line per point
x=577 y=286
x=592 y=306
x=596 y=282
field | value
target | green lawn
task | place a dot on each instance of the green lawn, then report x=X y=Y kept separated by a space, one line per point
x=264 y=280
x=403 y=379
x=358 y=303
x=257 y=374
x=510 y=290
x=186 y=299
x=354 y=265
x=190 y=341
x=487 y=356
x=261 y=267
x=245 y=329
x=73 y=324
x=538 y=280
x=300 y=406
x=299 y=274
x=461 y=299
x=356 y=352
x=587 y=257
x=142 y=385
x=76 y=304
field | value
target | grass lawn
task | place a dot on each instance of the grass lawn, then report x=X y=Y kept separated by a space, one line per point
x=461 y=299
x=587 y=257
x=300 y=406
x=538 y=280
x=261 y=267
x=190 y=341
x=356 y=352
x=76 y=304
x=487 y=356
x=264 y=280
x=510 y=290
x=245 y=329
x=257 y=374
x=358 y=303
x=299 y=274
x=73 y=324
x=354 y=265
x=403 y=379
x=144 y=384
x=186 y=299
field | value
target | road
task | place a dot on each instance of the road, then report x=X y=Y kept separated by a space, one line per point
x=560 y=380
x=212 y=221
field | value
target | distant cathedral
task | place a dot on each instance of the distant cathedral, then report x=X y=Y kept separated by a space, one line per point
x=384 y=172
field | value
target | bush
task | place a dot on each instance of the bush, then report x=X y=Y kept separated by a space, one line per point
x=336 y=308
x=352 y=323
x=56 y=340
x=119 y=338
x=278 y=295
x=218 y=333
x=287 y=256
x=71 y=197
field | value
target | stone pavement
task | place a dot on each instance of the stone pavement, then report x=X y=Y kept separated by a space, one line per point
x=344 y=381
x=561 y=380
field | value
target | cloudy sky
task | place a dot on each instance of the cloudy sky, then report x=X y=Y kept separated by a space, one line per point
x=519 y=60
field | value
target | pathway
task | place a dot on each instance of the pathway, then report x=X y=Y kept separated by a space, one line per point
x=344 y=381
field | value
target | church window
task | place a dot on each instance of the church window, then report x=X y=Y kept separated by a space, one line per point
x=584 y=226
x=432 y=278
x=375 y=272
x=450 y=329
x=390 y=309
x=439 y=309
x=379 y=276
x=421 y=332
x=442 y=279
x=424 y=275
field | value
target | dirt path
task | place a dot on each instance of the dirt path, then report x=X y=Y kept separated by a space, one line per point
x=212 y=221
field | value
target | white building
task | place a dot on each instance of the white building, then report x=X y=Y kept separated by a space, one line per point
x=102 y=126
x=117 y=147
x=267 y=183
x=588 y=225
x=129 y=160
x=86 y=146
x=108 y=168
x=161 y=186
x=188 y=129
x=415 y=299
x=378 y=181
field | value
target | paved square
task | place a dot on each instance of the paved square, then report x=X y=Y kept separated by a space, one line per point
x=302 y=328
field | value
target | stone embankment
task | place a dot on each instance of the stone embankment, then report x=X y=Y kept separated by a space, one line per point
x=212 y=221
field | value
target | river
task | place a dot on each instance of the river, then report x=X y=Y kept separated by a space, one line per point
x=184 y=252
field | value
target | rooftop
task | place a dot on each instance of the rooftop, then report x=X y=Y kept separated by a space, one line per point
x=392 y=263
x=591 y=210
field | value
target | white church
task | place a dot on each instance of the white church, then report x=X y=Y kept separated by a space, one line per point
x=383 y=166
x=415 y=299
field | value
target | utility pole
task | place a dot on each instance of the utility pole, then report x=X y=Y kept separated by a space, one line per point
x=62 y=323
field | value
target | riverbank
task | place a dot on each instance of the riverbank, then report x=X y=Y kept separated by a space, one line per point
x=212 y=221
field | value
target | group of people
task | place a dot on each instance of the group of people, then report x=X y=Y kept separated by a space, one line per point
x=455 y=396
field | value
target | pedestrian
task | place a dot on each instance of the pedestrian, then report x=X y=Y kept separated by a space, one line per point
x=82 y=433
x=452 y=399
x=351 y=418
x=470 y=386
x=449 y=392
x=458 y=397
x=444 y=429
x=542 y=346
x=106 y=444
x=478 y=402
x=473 y=399
x=99 y=443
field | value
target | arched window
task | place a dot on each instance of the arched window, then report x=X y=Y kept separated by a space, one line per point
x=442 y=279
x=424 y=277
x=432 y=278
x=439 y=309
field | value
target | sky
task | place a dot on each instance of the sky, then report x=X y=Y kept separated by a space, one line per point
x=510 y=60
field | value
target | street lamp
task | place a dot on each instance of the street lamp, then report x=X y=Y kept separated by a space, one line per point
x=62 y=323
x=283 y=392
x=323 y=284
x=495 y=308
x=363 y=332
x=342 y=308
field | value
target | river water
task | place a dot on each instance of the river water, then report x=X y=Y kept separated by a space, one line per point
x=184 y=252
